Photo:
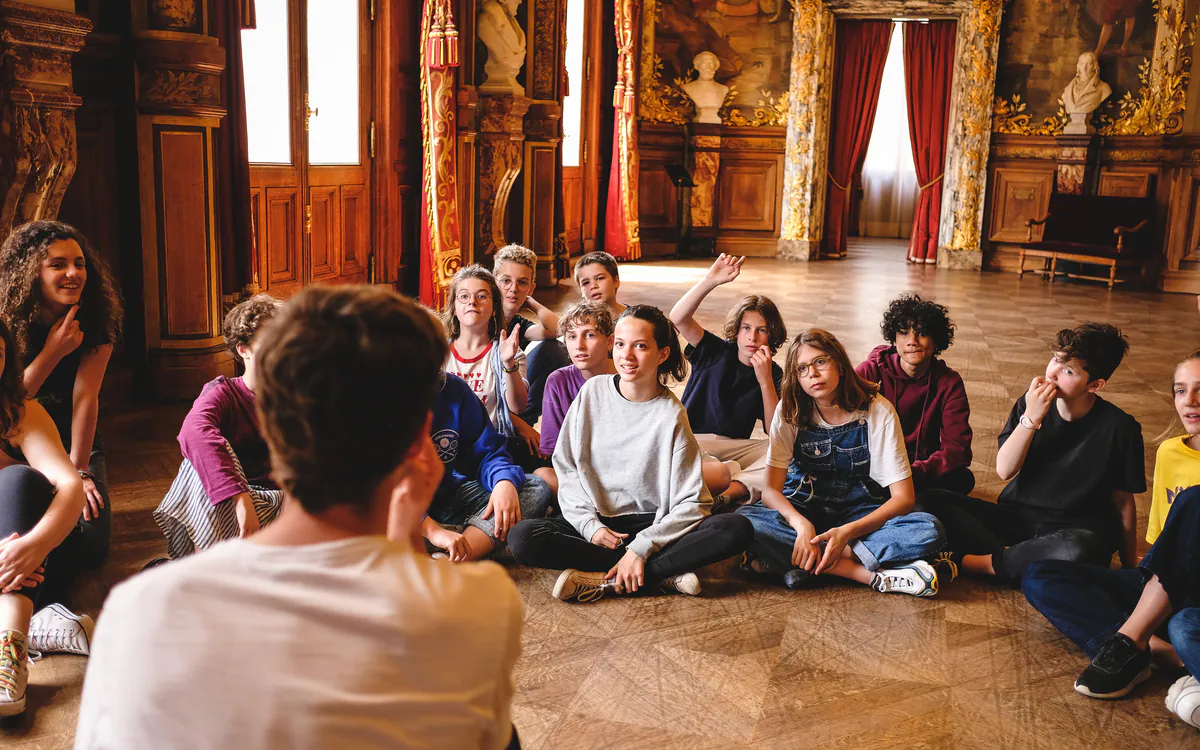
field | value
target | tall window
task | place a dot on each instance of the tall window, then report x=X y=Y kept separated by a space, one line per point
x=265 y=64
x=889 y=179
x=573 y=102
x=333 y=82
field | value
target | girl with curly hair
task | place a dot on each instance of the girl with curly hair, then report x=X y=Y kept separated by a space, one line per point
x=65 y=311
x=929 y=397
x=41 y=497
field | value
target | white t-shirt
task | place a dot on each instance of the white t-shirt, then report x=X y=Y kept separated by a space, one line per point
x=479 y=375
x=356 y=643
x=885 y=441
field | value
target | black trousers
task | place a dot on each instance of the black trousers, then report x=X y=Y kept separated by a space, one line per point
x=1013 y=537
x=25 y=496
x=554 y=543
x=960 y=480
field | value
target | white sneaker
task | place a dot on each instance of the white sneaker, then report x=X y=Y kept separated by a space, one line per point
x=686 y=583
x=915 y=579
x=14 y=672
x=56 y=629
x=1183 y=700
x=582 y=587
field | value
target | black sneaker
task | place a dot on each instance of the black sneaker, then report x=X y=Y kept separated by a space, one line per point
x=947 y=564
x=1117 y=669
x=799 y=578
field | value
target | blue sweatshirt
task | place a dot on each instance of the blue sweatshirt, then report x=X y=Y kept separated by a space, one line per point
x=468 y=444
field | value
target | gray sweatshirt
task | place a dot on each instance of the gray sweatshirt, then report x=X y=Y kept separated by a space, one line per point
x=615 y=457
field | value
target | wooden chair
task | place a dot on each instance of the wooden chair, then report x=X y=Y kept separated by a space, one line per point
x=1091 y=230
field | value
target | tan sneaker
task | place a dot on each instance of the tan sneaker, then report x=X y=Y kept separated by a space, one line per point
x=14 y=672
x=687 y=583
x=575 y=585
x=56 y=629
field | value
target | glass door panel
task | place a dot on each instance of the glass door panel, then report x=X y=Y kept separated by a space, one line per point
x=265 y=66
x=333 y=82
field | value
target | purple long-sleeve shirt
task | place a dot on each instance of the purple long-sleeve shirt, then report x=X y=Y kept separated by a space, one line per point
x=224 y=413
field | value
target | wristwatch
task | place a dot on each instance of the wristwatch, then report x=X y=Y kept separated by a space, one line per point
x=1029 y=424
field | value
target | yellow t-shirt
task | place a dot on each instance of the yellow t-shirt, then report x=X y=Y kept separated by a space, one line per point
x=1176 y=468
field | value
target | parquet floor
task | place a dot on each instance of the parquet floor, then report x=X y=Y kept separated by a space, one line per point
x=752 y=665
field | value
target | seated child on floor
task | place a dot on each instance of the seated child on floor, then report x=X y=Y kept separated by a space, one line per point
x=515 y=269
x=635 y=511
x=330 y=628
x=598 y=279
x=839 y=496
x=224 y=488
x=484 y=355
x=1126 y=618
x=734 y=382
x=483 y=492
x=1075 y=461
x=929 y=397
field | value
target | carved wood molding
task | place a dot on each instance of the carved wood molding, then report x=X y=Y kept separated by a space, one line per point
x=180 y=76
x=500 y=150
x=37 y=117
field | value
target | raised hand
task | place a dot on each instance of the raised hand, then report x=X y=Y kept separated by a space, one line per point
x=1039 y=398
x=724 y=269
x=509 y=347
x=65 y=335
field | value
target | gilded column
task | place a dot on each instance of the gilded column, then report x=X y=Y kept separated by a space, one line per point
x=702 y=207
x=37 y=109
x=178 y=93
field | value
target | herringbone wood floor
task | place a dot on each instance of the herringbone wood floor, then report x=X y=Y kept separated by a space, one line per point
x=752 y=665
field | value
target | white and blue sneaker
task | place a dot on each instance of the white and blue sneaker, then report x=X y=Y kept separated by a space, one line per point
x=915 y=579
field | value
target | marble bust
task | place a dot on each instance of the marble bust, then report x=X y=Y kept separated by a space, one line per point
x=705 y=93
x=1084 y=93
x=505 y=41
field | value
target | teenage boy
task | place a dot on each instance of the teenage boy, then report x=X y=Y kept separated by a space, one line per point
x=224 y=488
x=1124 y=618
x=515 y=269
x=734 y=381
x=1075 y=461
x=483 y=492
x=929 y=397
x=598 y=280
x=320 y=631
x=587 y=328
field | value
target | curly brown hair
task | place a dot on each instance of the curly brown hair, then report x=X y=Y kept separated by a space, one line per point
x=1099 y=346
x=101 y=310
x=764 y=306
x=450 y=320
x=242 y=323
x=347 y=377
x=12 y=386
x=587 y=312
x=853 y=393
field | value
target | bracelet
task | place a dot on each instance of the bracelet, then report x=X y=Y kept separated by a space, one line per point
x=85 y=474
x=1029 y=424
x=516 y=366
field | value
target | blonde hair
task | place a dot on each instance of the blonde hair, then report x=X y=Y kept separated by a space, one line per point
x=518 y=254
x=1175 y=425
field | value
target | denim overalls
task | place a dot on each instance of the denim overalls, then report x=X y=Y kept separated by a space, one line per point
x=829 y=483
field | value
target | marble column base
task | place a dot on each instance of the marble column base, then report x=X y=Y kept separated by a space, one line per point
x=803 y=250
x=958 y=259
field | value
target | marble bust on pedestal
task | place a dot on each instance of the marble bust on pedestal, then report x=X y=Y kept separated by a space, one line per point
x=505 y=41
x=1084 y=94
x=705 y=93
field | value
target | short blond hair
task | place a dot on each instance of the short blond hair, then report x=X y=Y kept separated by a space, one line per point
x=515 y=254
x=587 y=312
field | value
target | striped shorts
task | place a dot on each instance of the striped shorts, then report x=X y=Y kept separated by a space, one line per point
x=191 y=522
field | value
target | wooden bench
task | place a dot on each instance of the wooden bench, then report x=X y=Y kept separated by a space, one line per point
x=1091 y=230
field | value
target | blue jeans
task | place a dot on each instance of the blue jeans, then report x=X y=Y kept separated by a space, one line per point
x=902 y=539
x=471 y=500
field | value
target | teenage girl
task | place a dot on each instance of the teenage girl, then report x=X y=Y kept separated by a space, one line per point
x=635 y=511
x=839 y=495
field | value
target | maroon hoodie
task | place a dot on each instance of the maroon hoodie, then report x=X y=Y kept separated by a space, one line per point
x=933 y=409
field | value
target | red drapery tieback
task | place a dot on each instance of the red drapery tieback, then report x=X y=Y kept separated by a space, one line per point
x=441 y=49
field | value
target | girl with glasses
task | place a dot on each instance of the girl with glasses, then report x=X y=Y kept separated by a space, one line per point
x=839 y=494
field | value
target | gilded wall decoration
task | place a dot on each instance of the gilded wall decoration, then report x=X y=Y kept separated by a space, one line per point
x=1046 y=153
x=755 y=144
x=439 y=60
x=500 y=148
x=1011 y=116
x=544 y=45
x=751 y=38
x=1041 y=41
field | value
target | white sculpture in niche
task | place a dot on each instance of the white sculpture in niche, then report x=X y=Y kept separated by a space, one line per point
x=505 y=41
x=705 y=93
x=1084 y=94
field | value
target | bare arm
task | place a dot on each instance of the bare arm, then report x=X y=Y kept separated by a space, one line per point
x=724 y=270
x=86 y=404
x=516 y=392
x=1127 y=510
x=902 y=501
x=39 y=441
x=1039 y=399
x=772 y=497
x=547 y=327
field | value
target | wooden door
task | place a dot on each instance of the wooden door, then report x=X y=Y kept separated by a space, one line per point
x=310 y=176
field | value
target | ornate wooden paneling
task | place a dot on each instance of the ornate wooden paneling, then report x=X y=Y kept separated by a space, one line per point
x=186 y=251
x=540 y=189
x=280 y=240
x=355 y=231
x=572 y=189
x=1124 y=184
x=323 y=232
x=748 y=193
x=658 y=199
x=1019 y=193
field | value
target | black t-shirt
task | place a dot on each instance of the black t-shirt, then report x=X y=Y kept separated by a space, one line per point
x=524 y=324
x=1073 y=468
x=723 y=396
x=57 y=393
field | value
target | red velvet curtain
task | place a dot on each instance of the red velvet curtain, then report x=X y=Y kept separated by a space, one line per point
x=441 y=234
x=928 y=71
x=857 y=72
x=235 y=225
x=622 y=235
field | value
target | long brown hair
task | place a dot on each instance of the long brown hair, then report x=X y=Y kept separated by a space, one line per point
x=12 y=385
x=450 y=320
x=761 y=304
x=666 y=336
x=853 y=393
